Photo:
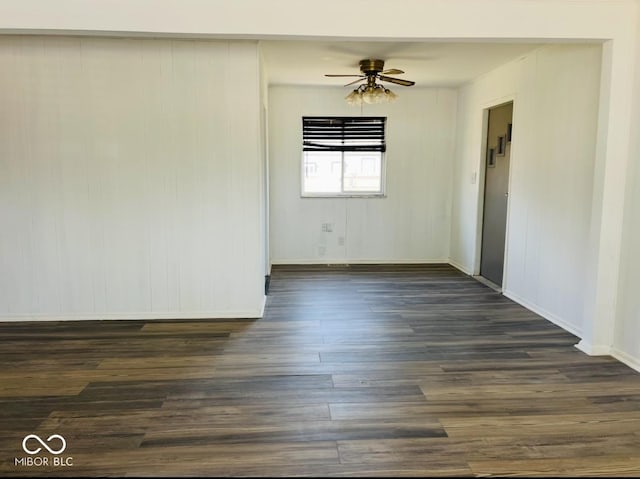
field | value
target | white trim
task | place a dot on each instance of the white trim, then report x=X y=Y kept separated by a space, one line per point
x=592 y=350
x=611 y=170
x=344 y=261
x=381 y=193
x=626 y=358
x=507 y=220
x=343 y=195
x=536 y=309
x=488 y=283
x=264 y=305
x=481 y=168
x=255 y=314
x=543 y=312
x=460 y=267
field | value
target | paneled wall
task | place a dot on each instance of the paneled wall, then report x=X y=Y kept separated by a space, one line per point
x=556 y=93
x=129 y=178
x=627 y=330
x=411 y=224
x=627 y=333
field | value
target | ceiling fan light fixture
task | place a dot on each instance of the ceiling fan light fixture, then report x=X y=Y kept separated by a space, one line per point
x=354 y=98
x=389 y=95
x=370 y=93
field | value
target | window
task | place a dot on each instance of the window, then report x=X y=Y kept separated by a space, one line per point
x=343 y=156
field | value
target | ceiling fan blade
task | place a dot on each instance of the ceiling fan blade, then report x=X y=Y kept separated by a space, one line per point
x=392 y=71
x=397 y=81
x=355 y=81
x=334 y=75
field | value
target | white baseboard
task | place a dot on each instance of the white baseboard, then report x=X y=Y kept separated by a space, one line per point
x=248 y=314
x=626 y=358
x=462 y=268
x=544 y=313
x=344 y=261
x=264 y=305
x=533 y=307
x=592 y=349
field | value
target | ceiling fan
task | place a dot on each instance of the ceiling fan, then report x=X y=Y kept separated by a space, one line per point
x=373 y=69
x=372 y=92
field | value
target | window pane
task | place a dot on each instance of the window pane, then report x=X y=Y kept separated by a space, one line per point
x=362 y=171
x=322 y=172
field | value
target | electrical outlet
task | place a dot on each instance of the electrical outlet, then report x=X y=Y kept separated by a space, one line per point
x=327 y=227
x=340 y=240
x=321 y=250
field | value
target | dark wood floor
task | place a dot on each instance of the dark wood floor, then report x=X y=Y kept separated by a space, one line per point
x=410 y=370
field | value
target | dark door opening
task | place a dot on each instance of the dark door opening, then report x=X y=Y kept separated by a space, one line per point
x=496 y=193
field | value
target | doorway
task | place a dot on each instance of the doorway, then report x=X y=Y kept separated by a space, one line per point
x=496 y=193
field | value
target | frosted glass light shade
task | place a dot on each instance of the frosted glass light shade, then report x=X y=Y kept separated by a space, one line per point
x=390 y=96
x=354 y=98
x=370 y=95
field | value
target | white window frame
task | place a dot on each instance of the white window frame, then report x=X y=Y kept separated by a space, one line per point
x=381 y=193
x=346 y=194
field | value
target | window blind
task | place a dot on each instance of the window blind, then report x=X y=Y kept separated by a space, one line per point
x=343 y=133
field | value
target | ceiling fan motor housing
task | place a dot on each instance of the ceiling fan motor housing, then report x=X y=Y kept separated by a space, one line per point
x=371 y=66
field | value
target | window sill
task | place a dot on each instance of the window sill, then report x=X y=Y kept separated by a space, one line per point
x=346 y=195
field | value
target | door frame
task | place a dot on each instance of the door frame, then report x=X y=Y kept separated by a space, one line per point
x=481 y=164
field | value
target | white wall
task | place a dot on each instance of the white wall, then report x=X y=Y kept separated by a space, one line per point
x=556 y=92
x=411 y=224
x=264 y=162
x=627 y=331
x=126 y=188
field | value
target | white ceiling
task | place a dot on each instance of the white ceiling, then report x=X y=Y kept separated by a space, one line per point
x=429 y=63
